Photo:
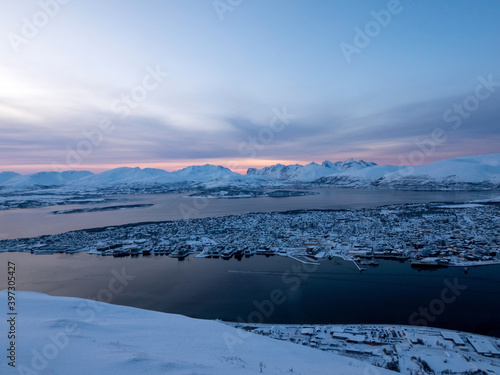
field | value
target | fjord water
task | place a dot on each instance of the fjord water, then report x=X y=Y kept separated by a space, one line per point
x=335 y=292
x=31 y=222
x=232 y=290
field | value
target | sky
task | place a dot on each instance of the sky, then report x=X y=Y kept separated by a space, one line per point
x=94 y=85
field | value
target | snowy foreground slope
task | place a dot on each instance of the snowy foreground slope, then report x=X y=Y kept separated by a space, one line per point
x=60 y=335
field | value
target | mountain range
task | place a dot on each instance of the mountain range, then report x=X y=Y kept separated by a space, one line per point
x=463 y=173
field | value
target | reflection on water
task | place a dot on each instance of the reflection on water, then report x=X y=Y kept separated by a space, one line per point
x=334 y=292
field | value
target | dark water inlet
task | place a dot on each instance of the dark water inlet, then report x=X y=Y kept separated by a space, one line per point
x=333 y=292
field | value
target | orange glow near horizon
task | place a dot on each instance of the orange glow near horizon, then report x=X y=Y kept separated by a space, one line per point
x=234 y=165
x=239 y=166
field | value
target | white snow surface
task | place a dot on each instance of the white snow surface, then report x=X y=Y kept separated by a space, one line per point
x=126 y=175
x=368 y=174
x=203 y=173
x=206 y=175
x=464 y=170
x=43 y=179
x=275 y=172
x=61 y=335
x=5 y=176
x=311 y=171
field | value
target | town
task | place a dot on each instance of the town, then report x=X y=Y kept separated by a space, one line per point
x=404 y=349
x=434 y=235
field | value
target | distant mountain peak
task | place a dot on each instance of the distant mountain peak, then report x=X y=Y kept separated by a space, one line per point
x=306 y=173
x=469 y=172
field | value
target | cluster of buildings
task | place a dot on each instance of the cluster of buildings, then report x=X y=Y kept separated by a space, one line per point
x=428 y=235
x=405 y=349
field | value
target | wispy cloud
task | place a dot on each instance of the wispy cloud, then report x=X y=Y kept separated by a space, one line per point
x=225 y=79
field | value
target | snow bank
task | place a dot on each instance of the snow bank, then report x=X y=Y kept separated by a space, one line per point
x=60 y=335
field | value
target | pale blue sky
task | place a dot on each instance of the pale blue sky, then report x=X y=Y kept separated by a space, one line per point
x=226 y=76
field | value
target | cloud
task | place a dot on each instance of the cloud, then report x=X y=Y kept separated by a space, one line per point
x=174 y=132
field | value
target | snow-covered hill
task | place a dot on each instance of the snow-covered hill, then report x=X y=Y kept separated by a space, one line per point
x=203 y=173
x=275 y=172
x=125 y=175
x=60 y=336
x=4 y=176
x=471 y=172
x=42 y=179
x=309 y=172
x=358 y=177
x=206 y=176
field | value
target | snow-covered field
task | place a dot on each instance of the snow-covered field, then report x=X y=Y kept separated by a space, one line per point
x=61 y=336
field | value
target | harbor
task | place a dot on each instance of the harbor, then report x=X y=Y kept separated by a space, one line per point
x=429 y=236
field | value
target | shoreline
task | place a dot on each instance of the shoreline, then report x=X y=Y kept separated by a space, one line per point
x=430 y=236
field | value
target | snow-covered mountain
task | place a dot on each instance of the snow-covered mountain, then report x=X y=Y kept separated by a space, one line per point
x=41 y=179
x=203 y=173
x=275 y=172
x=471 y=172
x=196 y=176
x=61 y=335
x=124 y=176
x=482 y=171
x=4 y=176
x=358 y=177
x=309 y=172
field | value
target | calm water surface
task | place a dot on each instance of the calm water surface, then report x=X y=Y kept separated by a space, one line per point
x=334 y=292
x=40 y=221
